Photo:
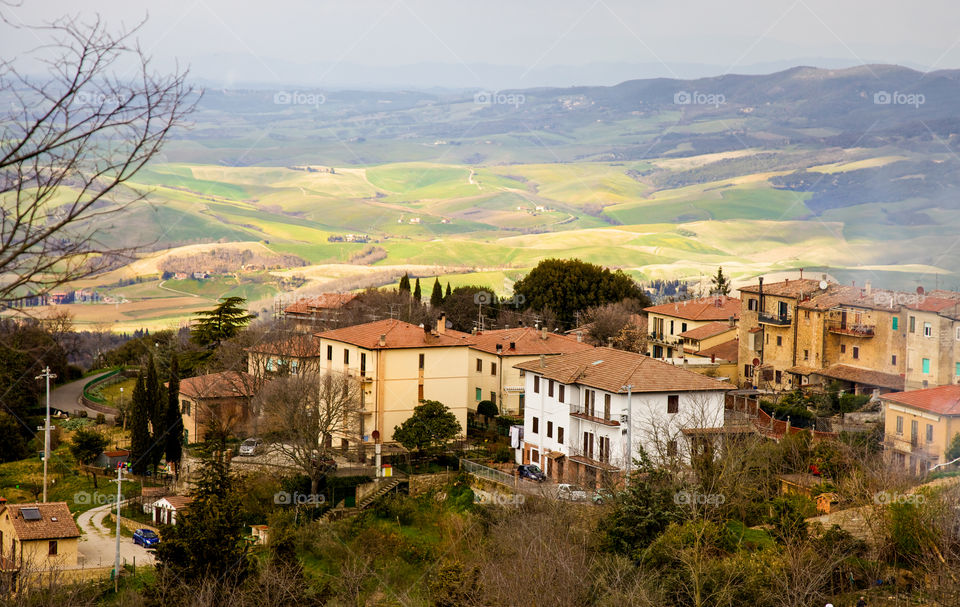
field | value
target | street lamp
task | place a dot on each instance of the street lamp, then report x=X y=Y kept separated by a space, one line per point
x=121 y=409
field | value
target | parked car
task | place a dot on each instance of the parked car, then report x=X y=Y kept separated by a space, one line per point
x=573 y=493
x=146 y=538
x=602 y=496
x=251 y=446
x=532 y=472
x=329 y=464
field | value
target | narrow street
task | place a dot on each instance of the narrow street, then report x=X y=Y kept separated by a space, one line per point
x=98 y=544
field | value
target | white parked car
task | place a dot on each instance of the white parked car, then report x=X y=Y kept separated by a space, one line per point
x=573 y=493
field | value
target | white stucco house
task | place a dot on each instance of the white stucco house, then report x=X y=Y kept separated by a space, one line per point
x=588 y=412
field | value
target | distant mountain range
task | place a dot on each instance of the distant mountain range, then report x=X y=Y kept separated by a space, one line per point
x=242 y=71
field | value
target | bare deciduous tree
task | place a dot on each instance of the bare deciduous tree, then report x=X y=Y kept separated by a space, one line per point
x=69 y=143
x=303 y=413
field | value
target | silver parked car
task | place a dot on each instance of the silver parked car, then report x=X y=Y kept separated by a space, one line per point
x=573 y=493
x=251 y=446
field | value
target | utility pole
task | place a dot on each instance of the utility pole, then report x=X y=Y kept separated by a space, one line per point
x=46 y=429
x=116 y=561
x=629 y=416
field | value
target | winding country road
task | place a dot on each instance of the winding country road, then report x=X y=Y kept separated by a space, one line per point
x=67 y=397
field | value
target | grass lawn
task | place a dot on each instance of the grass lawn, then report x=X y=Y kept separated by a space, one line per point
x=19 y=480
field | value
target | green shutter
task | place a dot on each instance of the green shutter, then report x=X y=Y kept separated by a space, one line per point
x=926 y=365
x=896 y=323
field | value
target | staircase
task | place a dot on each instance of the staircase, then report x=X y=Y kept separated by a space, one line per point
x=386 y=486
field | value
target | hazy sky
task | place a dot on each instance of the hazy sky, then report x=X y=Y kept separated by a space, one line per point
x=532 y=35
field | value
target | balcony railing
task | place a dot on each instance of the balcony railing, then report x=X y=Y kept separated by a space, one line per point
x=581 y=412
x=853 y=330
x=592 y=458
x=771 y=318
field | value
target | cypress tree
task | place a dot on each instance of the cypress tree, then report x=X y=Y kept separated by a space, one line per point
x=448 y=292
x=417 y=294
x=405 y=283
x=139 y=430
x=173 y=420
x=156 y=412
x=436 y=297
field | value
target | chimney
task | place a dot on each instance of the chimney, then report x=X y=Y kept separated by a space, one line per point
x=713 y=358
x=732 y=321
x=513 y=345
x=868 y=287
x=543 y=333
x=823 y=277
x=473 y=331
x=383 y=340
x=543 y=360
x=801 y=273
x=579 y=336
x=442 y=324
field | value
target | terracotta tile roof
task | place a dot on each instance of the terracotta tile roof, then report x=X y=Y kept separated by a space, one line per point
x=324 y=301
x=119 y=453
x=786 y=288
x=609 y=369
x=704 y=308
x=708 y=330
x=933 y=304
x=299 y=346
x=863 y=376
x=177 y=501
x=528 y=341
x=728 y=350
x=398 y=334
x=226 y=384
x=46 y=528
x=944 y=400
x=812 y=297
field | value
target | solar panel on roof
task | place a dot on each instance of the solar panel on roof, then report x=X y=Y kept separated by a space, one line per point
x=30 y=514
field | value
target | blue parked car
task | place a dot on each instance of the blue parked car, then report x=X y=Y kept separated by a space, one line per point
x=146 y=538
x=532 y=472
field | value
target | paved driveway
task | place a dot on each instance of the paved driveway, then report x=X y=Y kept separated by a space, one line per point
x=98 y=544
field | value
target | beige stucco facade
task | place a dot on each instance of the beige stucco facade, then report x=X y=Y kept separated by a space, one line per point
x=495 y=378
x=395 y=380
x=915 y=439
x=932 y=348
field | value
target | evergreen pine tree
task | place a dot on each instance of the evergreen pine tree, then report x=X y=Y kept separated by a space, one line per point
x=405 y=283
x=721 y=284
x=222 y=322
x=207 y=543
x=173 y=420
x=448 y=292
x=417 y=294
x=436 y=297
x=139 y=428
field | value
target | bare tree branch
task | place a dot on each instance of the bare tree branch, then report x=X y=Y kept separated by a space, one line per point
x=69 y=144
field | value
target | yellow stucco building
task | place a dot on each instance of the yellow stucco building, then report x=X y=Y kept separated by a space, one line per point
x=399 y=365
x=493 y=375
x=37 y=537
x=919 y=426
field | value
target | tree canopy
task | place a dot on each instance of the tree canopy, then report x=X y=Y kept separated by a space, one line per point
x=222 y=322
x=436 y=297
x=431 y=425
x=568 y=286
